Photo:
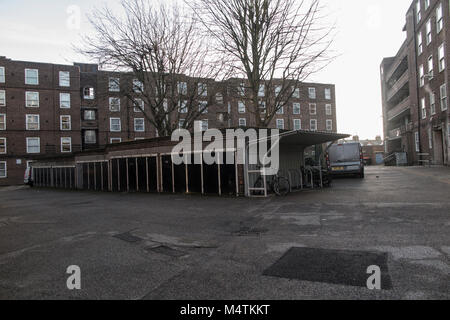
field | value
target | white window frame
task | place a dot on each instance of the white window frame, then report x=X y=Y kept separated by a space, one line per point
x=444 y=97
x=27 y=100
x=90 y=95
x=136 y=124
x=419 y=43
x=94 y=141
x=181 y=123
x=118 y=140
x=242 y=122
x=421 y=76
x=2 y=98
x=439 y=19
x=111 y=99
x=138 y=86
x=27 y=77
x=6 y=145
x=6 y=170
x=27 y=124
x=182 y=107
x=241 y=89
x=64 y=79
x=280 y=110
x=203 y=107
x=114 y=84
x=296 y=93
x=69 y=139
x=430 y=63
x=433 y=103
x=202 y=89
x=241 y=107
x=417 y=141
x=203 y=126
x=311 y=121
x=277 y=90
x=327 y=94
x=296 y=106
x=280 y=124
x=28 y=144
x=427 y=4
x=262 y=107
x=418 y=12
x=89 y=112
x=182 y=88
x=423 y=108
x=430 y=138
x=262 y=90
x=138 y=102
x=328 y=109
x=299 y=126
x=312 y=94
x=429 y=35
x=61 y=122
x=313 y=109
x=3 y=115
x=63 y=100
x=441 y=57
x=2 y=75
x=329 y=125
x=111 y=125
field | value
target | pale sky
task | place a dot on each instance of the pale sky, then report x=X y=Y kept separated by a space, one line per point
x=368 y=30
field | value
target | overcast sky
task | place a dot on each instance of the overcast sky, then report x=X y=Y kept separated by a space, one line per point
x=368 y=30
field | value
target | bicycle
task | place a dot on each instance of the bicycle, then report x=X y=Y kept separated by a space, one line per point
x=278 y=184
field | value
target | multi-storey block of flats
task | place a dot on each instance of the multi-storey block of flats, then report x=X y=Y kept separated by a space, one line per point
x=415 y=86
x=48 y=109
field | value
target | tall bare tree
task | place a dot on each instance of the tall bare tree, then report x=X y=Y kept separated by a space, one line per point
x=166 y=59
x=273 y=44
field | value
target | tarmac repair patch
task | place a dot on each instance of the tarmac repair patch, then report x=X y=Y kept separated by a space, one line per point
x=331 y=266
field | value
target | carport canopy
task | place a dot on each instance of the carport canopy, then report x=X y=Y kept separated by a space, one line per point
x=309 y=138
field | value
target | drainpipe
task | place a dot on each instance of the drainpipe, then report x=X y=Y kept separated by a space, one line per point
x=419 y=115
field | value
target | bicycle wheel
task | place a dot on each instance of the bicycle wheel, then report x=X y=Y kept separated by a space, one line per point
x=281 y=186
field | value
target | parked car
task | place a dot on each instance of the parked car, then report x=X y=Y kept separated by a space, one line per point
x=28 y=177
x=346 y=158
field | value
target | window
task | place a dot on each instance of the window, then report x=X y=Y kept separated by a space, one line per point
x=32 y=99
x=204 y=125
x=313 y=125
x=90 y=137
x=139 y=125
x=66 y=145
x=219 y=98
x=88 y=93
x=280 y=110
x=2 y=121
x=423 y=107
x=441 y=56
x=181 y=123
x=297 y=124
x=241 y=89
x=203 y=89
x=64 y=100
x=115 y=125
x=138 y=86
x=33 y=145
x=114 y=104
x=421 y=76
x=65 y=123
x=32 y=121
x=439 y=19
x=2 y=98
x=280 y=124
x=278 y=90
x=3 y=170
x=64 y=79
x=417 y=141
x=2 y=145
x=296 y=93
x=419 y=44
x=182 y=88
x=430 y=138
x=328 y=94
x=31 y=76
x=296 y=108
x=115 y=140
x=443 y=91
x=242 y=122
x=419 y=12
x=89 y=114
x=427 y=4
x=138 y=105
x=203 y=107
x=241 y=107
x=329 y=125
x=433 y=103
x=312 y=93
x=430 y=67
x=262 y=107
x=428 y=28
x=312 y=109
x=261 y=91
x=328 y=110
x=2 y=74
x=114 y=84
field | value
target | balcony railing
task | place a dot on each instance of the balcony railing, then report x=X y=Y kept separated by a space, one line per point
x=400 y=131
x=398 y=85
x=398 y=109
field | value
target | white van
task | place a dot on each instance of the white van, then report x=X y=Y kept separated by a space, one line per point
x=346 y=158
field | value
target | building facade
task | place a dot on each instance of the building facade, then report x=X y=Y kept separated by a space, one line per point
x=48 y=109
x=415 y=86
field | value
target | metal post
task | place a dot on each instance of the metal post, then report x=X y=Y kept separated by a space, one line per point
x=218 y=174
x=88 y=176
x=186 y=169
x=128 y=178
x=146 y=174
x=118 y=174
x=95 y=175
x=173 y=175
x=236 y=173
x=101 y=176
x=201 y=173
x=137 y=176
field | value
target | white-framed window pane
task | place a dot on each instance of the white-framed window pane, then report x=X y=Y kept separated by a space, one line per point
x=328 y=110
x=419 y=43
x=328 y=93
x=203 y=107
x=138 y=105
x=313 y=125
x=114 y=104
x=417 y=141
x=66 y=145
x=297 y=124
x=33 y=145
x=439 y=19
x=3 y=169
x=418 y=12
x=115 y=124
x=182 y=88
x=430 y=67
x=2 y=145
x=115 y=140
x=89 y=115
x=66 y=123
x=443 y=91
x=241 y=89
x=203 y=89
x=138 y=86
x=280 y=124
x=428 y=29
x=423 y=108
x=280 y=110
x=32 y=99
x=262 y=107
x=441 y=55
x=32 y=122
x=205 y=125
x=139 y=125
x=433 y=103
x=64 y=100
x=2 y=98
x=241 y=107
x=64 y=79
x=2 y=121
x=90 y=137
x=296 y=93
x=182 y=107
x=312 y=109
x=31 y=76
x=296 y=108
x=312 y=93
x=278 y=90
x=114 y=84
x=219 y=98
x=329 y=124
x=88 y=93
x=2 y=75
x=181 y=123
x=421 y=76
x=262 y=90
x=242 y=122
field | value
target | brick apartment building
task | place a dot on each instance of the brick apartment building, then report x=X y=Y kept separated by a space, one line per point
x=415 y=86
x=48 y=109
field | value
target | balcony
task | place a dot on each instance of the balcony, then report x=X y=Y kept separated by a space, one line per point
x=399 y=86
x=402 y=54
x=398 y=110
x=397 y=133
